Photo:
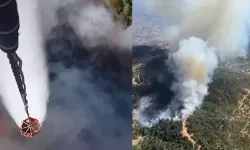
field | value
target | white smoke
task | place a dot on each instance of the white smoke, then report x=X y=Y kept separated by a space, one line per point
x=196 y=63
x=144 y=103
x=89 y=27
x=200 y=32
x=93 y=24
x=82 y=111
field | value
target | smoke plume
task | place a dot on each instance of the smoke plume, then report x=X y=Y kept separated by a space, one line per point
x=200 y=33
x=89 y=66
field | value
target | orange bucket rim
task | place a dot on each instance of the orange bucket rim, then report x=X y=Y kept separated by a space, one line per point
x=30 y=132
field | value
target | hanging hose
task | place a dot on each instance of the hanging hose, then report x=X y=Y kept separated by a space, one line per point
x=30 y=126
x=9 y=26
x=16 y=66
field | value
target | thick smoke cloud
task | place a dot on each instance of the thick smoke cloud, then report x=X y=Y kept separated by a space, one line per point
x=90 y=66
x=200 y=34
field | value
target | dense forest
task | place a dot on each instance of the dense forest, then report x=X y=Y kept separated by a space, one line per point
x=222 y=122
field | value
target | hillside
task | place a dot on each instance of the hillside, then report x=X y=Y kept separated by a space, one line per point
x=222 y=122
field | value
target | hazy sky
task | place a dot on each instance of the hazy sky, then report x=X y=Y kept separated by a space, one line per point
x=147 y=27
